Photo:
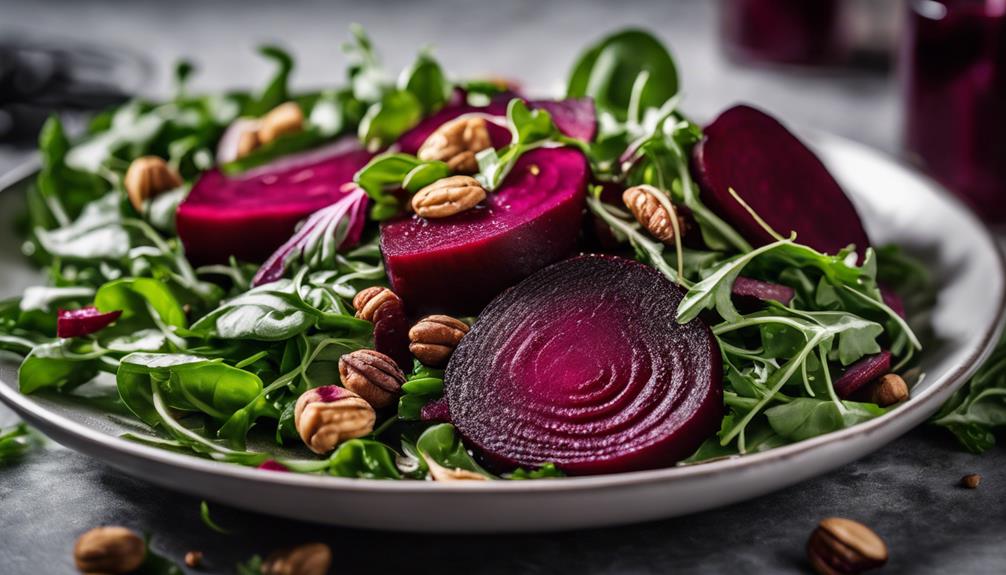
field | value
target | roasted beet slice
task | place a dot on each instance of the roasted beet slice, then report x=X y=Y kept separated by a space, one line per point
x=575 y=117
x=861 y=373
x=779 y=177
x=391 y=334
x=83 y=321
x=583 y=364
x=457 y=264
x=250 y=215
x=748 y=288
x=436 y=411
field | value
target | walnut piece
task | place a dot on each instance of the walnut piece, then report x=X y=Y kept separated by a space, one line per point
x=284 y=119
x=372 y=375
x=110 y=550
x=147 y=178
x=840 y=546
x=887 y=390
x=368 y=301
x=328 y=415
x=650 y=213
x=448 y=196
x=456 y=143
x=307 y=559
x=434 y=338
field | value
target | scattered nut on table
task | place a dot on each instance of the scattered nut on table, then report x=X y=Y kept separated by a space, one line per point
x=307 y=559
x=844 y=547
x=971 y=481
x=110 y=549
x=194 y=559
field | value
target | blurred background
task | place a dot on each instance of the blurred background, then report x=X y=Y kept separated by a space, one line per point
x=911 y=77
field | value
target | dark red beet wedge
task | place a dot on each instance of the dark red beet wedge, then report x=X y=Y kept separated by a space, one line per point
x=250 y=215
x=83 y=321
x=583 y=364
x=748 y=288
x=779 y=177
x=861 y=373
x=457 y=264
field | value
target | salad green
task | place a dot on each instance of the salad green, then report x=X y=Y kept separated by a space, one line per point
x=206 y=356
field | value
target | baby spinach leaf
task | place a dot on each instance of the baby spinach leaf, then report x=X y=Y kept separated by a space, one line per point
x=609 y=70
x=271 y=312
x=423 y=385
x=138 y=298
x=426 y=80
x=61 y=365
x=364 y=458
x=66 y=190
x=441 y=444
x=806 y=417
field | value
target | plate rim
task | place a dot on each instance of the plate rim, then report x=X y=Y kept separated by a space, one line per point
x=33 y=411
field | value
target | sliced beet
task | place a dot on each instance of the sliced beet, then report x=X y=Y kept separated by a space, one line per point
x=250 y=215
x=575 y=117
x=779 y=177
x=457 y=264
x=583 y=364
x=861 y=373
x=749 y=289
x=893 y=301
x=83 y=321
x=391 y=334
x=436 y=411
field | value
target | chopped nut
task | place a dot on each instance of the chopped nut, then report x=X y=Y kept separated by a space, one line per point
x=844 y=546
x=248 y=142
x=109 y=550
x=440 y=473
x=372 y=375
x=283 y=119
x=434 y=338
x=308 y=559
x=887 y=390
x=194 y=559
x=448 y=196
x=368 y=301
x=456 y=143
x=971 y=481
x=149 y=177
x=650 y=213
x=328 y=415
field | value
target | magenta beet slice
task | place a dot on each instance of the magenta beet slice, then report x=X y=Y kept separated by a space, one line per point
x=764 y=291
x=779 y=177
x=583 y=364
x=436 y=411
x=893 y=301
x=250 y=215
x=273 y=465
x=861 y=373
x=83 y=321
x=457 y=264
x=574 y=117
x=391 y=335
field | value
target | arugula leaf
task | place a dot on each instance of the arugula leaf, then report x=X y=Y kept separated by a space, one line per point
x=978 y=408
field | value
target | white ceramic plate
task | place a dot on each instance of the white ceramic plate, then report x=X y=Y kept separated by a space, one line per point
x=898 y=206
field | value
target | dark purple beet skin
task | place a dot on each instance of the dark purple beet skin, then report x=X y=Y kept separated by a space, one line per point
x=457 y=264
x=779 y=177
x=83 y=321
x=252 y=214
x=583 y=364
x=391 y=335
x=861 y=373
x=748 y=288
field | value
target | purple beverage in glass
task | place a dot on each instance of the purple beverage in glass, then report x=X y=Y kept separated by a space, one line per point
x=954 y=66
x=806 y=32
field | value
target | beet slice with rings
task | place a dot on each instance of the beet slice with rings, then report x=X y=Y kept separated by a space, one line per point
x=584 y=365
x=457 y=264
x=779 y=177
x=83 y=321
x=861 y=373
x=250 y=215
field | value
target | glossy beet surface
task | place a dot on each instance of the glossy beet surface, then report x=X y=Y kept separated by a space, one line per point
x=583 y=364
x=779 y=177
x=457 y=264
x=861 y=373
x=252 y=214
x=83 y=321
x=748 y=288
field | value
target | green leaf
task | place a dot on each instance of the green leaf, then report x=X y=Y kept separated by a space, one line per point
x=17 y=441
x=608 y=70
x=426 y=80
x=137 y=298
x=441 y=444
x=61 y=365
x=271 y=312
x=276 y=92
x=66 y=190
x=978 y=408
x=547 y=471
x=204 y=514
x=388 y=119
x=805 y=417
x=284 y=145
x=364 y=458
x=423 y=385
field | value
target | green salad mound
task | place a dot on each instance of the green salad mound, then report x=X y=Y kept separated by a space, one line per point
x=210 y=360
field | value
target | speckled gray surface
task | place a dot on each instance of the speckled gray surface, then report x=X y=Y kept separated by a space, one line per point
x=907 y=491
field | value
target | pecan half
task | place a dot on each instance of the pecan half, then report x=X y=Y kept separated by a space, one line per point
x=372 y=375
x=328 y=415
x=844 y=546
x=456 y=143
x=433 y=338
x=368 y=301
x=308 y=559
x=448 y=196
x=149 y=177
x=650 y=213
x=109 y=550
x=284 y=119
